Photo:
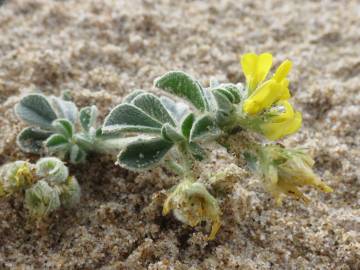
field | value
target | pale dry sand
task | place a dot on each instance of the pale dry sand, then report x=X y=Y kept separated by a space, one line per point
x=101 y=50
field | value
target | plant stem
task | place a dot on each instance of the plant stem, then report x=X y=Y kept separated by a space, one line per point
x=174 y=167
x=186 y=160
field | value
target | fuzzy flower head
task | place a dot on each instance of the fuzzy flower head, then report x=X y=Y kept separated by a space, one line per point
x=267 y=100
x=15 y=176
x=284 y=171
x=192 y=203
x=41 y=199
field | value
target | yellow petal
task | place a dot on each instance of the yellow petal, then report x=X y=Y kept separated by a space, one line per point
x=286 y=115
x=285 y=92
x=248 y=64
x=282 y=71
x=294 y=124
x=23 y=176
x=273 y=175
x=255 y=68
x=167 y=206
x=263 y=66
x=214 y=228
x=292 y=190
x=274 y=131
x=262 y=98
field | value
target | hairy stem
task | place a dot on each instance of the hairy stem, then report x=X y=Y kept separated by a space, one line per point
x=174 y=167
x=186 y=160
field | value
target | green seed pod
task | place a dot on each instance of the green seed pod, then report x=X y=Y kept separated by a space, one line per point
x=15 y=176
x=70 y=192
x=52 y=170
x=41 y=199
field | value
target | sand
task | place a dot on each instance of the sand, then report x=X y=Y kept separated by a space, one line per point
x=101 y=50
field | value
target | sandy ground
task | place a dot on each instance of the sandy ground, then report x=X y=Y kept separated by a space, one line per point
x=101 y=50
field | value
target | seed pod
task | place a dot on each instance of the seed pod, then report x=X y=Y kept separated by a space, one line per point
x=192 y=203
x=41 y=199
x=70 y=192
x=52 y=170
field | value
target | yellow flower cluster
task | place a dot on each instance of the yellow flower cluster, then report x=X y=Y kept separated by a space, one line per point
x=269 y=97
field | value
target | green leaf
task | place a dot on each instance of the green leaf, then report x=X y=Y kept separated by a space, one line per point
x=129 y=98
x=224 y=108
x=56 y=143
x=128 y=118
x=177 y=109
x=223 y=103
x=66 y=95
x=251 y=161
x=210 y=100
x=85 y=141
x=88 y=117
x=204 y=128
x=225 y=93
x=64 y=126
x=152 y=106
x=187 y=124
x=77 y=155
x=234 y=91
x=143 y=154
x=182 y=85
x=197 y=151
x=65 y=109
x=35 y=109
x=169 y=133
x=31 y=140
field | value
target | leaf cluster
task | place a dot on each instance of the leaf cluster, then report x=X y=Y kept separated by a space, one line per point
x=167 y=125
x=56 y=127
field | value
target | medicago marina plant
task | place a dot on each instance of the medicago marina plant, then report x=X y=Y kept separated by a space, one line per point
x=149 y=130
x=47 y=185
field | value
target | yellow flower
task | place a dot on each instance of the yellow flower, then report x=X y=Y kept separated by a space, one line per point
x=255 y=68
x=285 y=171
x=282 y=71
x=262 y=98
x=192 y=203
x=281 y=123
x=263 y=95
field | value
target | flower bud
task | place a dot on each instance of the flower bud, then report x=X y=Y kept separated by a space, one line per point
x=41 y=199
x=286 y=170
x=192 y=203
